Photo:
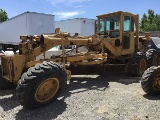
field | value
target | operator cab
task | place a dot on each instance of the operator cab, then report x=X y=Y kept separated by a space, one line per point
x=108 y=26
x=118 y=27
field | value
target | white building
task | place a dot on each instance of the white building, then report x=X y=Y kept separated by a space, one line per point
x=82 y=26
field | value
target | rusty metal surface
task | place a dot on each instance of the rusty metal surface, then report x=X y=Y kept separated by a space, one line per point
x=102 y=69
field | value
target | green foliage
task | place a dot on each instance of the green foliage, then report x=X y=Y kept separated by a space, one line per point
x=3 y=15
x=150 y=22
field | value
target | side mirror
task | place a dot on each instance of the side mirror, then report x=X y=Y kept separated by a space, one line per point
x=117 y=42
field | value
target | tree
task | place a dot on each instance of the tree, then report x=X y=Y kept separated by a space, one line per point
x=3 y=15
x=150 y=22
x=143 y=23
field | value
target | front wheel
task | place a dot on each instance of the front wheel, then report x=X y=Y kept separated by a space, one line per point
x=150 y=81
x=41 y=84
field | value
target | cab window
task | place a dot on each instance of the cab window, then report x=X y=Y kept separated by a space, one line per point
x=126 y=23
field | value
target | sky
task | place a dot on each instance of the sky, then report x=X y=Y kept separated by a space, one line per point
x=68 y=9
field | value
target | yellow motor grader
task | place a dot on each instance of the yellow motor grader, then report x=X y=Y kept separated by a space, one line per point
x=116 y=46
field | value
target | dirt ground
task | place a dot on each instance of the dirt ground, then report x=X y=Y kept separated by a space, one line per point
x=89 y=97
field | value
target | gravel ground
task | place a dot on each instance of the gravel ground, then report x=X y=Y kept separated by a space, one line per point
x=110 y=97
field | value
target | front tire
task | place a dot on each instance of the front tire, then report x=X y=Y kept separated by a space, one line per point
x=41 y=85
x=150 y=81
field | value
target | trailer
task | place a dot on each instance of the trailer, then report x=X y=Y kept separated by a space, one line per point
x=82 y=26
x=28 y=23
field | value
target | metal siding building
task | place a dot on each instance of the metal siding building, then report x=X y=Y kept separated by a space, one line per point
x=83 y=26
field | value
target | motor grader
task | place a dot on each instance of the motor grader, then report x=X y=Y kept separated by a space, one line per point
x=115 y=46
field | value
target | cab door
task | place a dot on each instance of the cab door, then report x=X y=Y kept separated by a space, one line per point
x=128 y=34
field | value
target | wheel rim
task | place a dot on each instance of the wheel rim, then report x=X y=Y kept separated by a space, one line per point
x=156 y=84
x=47 y=89
x=154 y=60
x=142 y=65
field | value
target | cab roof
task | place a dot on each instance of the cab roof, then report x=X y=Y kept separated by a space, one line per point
x=114 y=13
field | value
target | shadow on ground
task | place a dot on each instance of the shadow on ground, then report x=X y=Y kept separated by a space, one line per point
x=149 y=97
x=99 y=82
x=121 y=78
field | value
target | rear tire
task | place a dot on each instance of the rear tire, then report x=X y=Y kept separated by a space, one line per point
x=150 y=81
x=152 y=57
x=140 y=59
x=41 y=85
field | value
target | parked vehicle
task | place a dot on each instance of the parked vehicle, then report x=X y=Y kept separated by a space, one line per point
x=28 y=23
x=115 y=47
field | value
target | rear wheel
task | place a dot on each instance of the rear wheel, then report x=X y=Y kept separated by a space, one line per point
x=41 y=85
x=152 y=57
x=140 y=59
x=150 y=81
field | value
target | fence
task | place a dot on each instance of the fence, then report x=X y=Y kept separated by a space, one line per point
x=153 y=33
